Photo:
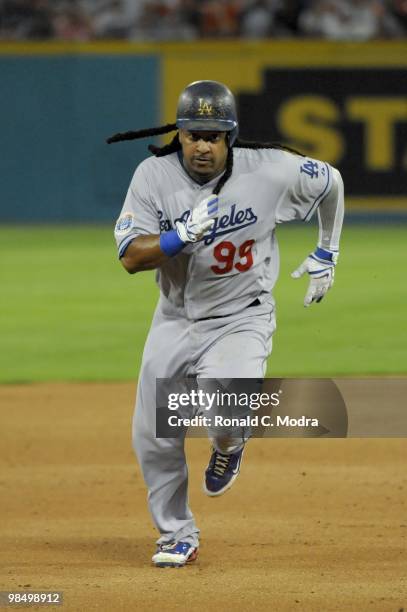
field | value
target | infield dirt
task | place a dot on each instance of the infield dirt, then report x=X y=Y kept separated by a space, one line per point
x=311 y=525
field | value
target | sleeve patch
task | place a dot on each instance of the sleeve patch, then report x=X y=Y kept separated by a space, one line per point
x=124 y=223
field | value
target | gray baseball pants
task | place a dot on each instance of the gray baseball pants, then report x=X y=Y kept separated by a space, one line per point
x=235 y=346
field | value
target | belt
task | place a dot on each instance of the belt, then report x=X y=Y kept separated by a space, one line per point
x=255 y=303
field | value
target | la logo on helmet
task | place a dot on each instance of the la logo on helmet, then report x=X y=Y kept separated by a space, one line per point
x=204 y=107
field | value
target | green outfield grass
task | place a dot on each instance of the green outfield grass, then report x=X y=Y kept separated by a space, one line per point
x=68 y=310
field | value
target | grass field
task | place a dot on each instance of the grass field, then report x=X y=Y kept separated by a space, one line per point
x=69 y=311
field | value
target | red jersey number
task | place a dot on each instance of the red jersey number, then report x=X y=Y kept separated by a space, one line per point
x=225 y=253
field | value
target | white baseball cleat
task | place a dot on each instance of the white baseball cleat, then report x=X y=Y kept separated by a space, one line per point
x=174 y=555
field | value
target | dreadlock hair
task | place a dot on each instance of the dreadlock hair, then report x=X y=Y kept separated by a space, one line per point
x=175 y=145
x=164 y=129
x=248 y=144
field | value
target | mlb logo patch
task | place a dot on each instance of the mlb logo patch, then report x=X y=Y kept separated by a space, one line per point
x=124 y=223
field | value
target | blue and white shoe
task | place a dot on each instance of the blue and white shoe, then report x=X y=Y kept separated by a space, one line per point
x=221 y=472
x=174 y=555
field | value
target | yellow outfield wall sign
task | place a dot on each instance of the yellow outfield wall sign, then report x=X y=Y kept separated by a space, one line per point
x=344 y=103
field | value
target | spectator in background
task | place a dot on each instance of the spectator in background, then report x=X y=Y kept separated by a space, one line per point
x=325 y=19
x=398 y=9
x=287 y=16
x=190 y=14
x=162 y=20
x=84 y=20
x=111 y=21
x=257 y=19
x=71 y=22
x=13 y=16
x=220 y=18
x=347 y=20
x=40 y=20
x=26 y=19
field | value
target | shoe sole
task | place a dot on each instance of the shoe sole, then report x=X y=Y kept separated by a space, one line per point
x=175 y=564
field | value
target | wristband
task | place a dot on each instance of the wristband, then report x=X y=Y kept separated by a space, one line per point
x=326 y=255
x=171 y=243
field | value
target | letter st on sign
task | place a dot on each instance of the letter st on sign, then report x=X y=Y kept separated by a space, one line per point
x=353 y=118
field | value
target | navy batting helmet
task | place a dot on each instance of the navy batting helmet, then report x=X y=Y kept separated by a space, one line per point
x=208 y=106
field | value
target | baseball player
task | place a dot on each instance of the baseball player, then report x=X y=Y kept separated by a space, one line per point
x=202 y=211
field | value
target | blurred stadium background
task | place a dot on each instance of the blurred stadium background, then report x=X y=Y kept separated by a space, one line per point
x=327 y=77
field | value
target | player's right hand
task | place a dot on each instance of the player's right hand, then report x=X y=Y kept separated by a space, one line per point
x=199 y=221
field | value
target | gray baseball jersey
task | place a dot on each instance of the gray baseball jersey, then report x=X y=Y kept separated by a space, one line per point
x=238 y=260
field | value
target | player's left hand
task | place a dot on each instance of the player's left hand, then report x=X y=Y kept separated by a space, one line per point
x=320 y=265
